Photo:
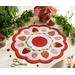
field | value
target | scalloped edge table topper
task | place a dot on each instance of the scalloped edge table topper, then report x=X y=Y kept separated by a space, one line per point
x=39 y=43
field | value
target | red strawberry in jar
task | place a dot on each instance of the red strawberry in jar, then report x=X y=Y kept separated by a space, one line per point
x=44 y=18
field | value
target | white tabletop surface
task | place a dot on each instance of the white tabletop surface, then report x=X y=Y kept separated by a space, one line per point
x=6 y=61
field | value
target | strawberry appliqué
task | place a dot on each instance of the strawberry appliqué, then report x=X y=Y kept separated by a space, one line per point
x=45 y=54
x=35 y=30
x=57 y=44
x=51 y=33
x=20 y=45
x=26 y=50
x=34 y=55
x=54 y=51
x=57 y=38
x=22 y=38
x=26 y=32
x=43 y=30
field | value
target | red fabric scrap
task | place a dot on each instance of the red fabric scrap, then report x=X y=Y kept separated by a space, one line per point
x=36 y=11
x=40 y=10
x=53 y=10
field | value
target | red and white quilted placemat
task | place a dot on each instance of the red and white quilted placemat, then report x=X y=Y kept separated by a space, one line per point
x=39 y=43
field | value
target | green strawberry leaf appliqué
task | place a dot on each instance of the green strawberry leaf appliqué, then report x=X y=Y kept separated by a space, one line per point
x=57 y=44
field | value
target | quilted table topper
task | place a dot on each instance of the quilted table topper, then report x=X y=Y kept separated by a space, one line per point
x=39 y=43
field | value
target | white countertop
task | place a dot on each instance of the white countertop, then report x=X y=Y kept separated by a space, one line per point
x=6 y=61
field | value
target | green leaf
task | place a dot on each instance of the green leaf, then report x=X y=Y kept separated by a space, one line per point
x=28 y=49
x=43 y=52
x=54 y=44
x=16 y=9
x=50 y=34
x=2 y=10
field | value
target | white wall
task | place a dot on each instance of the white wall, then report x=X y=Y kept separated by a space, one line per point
x=22 y=8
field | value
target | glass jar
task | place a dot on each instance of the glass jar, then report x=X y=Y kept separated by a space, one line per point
x=2 y=40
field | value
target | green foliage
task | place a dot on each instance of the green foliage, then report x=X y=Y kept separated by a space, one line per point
x=2 y=10
x=9 y=21
x=67 y=27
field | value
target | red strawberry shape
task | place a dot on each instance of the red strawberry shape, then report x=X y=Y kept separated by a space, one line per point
x=20 y=45
x=44 y=30
x=35 y=30
x=22 y=38
x=51 y=23
x=34 y=55
x=57 y=38
x=51 y=33
x=54 y=51
x=26 y=32
x=45 y=54
x=26 y=50
x=56 y=44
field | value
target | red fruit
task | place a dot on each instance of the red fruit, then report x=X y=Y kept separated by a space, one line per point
x=57 y=38
x=44 y=18
x=54 y=51
x=47 y=17
x=45 y=54
x=56 y=44
x=20 y=45
x=35 y=30
x=26 y=50
x=4 y=44
x=22 y=38
x=51 y=23
x=34 y=55
x=51 y=33
x=26 y=32
x=41 y=19
x=1 y=38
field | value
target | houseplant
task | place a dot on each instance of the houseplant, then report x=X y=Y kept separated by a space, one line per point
x=9 y=21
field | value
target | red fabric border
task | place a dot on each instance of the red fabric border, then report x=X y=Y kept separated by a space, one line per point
x=36 y=61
